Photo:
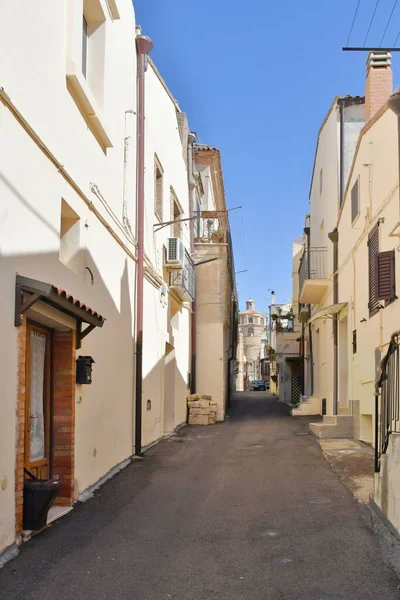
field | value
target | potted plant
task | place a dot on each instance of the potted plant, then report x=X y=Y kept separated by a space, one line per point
x=218 y=237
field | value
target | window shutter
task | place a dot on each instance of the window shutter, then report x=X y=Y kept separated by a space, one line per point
x=386 y=276
x=354 y=201
x=354 y=341
x=373 y=251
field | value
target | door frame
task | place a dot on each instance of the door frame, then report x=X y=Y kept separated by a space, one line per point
x=33 y=326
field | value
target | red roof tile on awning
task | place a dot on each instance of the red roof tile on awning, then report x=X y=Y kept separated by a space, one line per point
x=77 y=303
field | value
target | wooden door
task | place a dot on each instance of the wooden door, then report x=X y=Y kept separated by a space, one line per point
x=37 y=404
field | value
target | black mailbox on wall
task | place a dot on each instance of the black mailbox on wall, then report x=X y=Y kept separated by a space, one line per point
x=84 y=369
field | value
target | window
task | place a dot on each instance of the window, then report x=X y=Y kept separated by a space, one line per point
x=355 y=341
x=250 y=320
x=355 y=201
x=70 y=253
x=320 y=181
x=386 y=276
x=262 y=321
x=85 y=65
x=381 y=273
x=84 y=45
x=94 y=47
x=250 y=331
x=176 y=214
x=158 y=189
x=373 y=251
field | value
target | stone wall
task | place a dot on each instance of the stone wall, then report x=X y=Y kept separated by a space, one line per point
x=202 y=410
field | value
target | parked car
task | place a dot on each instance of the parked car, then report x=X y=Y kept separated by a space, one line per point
x=259 y=386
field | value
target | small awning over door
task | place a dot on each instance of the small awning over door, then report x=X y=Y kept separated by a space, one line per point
x=28 y=291
x=329 y=311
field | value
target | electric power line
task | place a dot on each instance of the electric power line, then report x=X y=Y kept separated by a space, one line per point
x=388 y=23
x=372 y=19
x=354 y=20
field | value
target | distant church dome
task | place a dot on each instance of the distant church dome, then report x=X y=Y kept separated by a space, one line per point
x=250 y=304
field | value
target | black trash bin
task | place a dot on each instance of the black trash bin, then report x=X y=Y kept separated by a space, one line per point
x=39 y=495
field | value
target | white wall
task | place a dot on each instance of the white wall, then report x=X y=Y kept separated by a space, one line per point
x=163 y=140
x=31 y=192
x=324 y=211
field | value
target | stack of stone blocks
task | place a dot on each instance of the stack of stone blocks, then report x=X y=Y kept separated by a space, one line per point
x=202 y=410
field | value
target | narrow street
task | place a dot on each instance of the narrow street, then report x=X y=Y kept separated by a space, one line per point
x=244 y=510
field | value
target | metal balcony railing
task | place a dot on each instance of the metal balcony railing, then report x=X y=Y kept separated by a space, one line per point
x=313 y=265
x=184 y=279
x=211 y=227
x=387 y=407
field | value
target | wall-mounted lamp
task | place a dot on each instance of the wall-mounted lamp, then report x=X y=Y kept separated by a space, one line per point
x=334 y=235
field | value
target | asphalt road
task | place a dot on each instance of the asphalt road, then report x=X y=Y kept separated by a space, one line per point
x=244 y=510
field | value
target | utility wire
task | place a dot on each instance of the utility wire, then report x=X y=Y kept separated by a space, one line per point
x=398 y=35
x=370 y=23
x=388 y=23
x=354 y=20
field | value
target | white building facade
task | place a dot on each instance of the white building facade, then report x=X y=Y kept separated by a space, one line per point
x=68 y=250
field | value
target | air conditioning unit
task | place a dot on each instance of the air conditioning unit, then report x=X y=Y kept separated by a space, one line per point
x=304 y=314
x=175 y=253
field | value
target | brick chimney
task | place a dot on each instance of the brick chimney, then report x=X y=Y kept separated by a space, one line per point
x=379 y=85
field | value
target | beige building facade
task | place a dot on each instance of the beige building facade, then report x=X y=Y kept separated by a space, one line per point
x=253 y=328
x=289 y=340
x=349 y=278
x=216 y=305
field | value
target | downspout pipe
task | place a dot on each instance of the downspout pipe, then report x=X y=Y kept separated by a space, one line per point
x=341 y=151
x=193 y=333
x=307 y=231
x=191 y=141
x=144 y=46
x=334 y=238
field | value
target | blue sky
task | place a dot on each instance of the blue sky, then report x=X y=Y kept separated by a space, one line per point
x=257 y=84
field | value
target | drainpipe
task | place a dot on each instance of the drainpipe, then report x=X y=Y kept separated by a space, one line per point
x=144 y=46
x=334 y=238
x=302 y=356
x=341 y=151
x=191 y=140
x=307 y=231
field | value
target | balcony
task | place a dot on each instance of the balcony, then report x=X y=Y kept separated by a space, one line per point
x=211 y=227
x=182 y=281
x=313 y=275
